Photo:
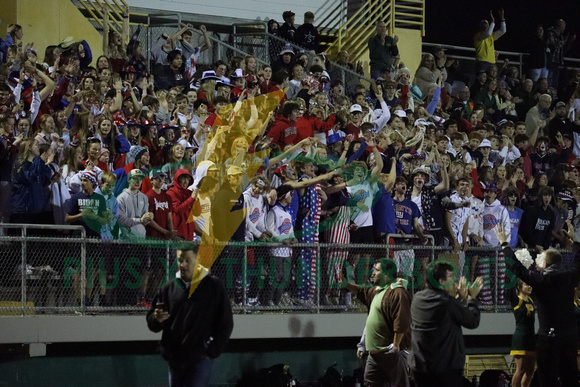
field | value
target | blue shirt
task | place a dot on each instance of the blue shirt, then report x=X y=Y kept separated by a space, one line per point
x=515 y=219
x=384 y=213
x=405 y=213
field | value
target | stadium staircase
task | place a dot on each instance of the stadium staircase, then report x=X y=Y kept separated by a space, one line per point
x=350 y=24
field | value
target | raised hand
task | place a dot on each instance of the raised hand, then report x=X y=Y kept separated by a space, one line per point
x=491 y=16
x=475 y=287
x=501 y=234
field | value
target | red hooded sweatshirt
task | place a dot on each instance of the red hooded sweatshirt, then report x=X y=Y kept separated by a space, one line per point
x=183 y=204
x=283 y=132
x=307 y=125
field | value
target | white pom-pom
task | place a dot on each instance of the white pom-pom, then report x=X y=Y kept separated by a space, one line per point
x=541 y=260
x=523 y=255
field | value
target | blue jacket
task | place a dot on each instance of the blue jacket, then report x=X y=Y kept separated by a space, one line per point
x=31 y=188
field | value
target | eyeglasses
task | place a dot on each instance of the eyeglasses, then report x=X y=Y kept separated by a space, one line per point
x=512 y=195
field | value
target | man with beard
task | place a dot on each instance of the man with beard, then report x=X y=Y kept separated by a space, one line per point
x=387 y=328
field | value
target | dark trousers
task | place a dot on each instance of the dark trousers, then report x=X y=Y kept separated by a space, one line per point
x=447 y=379
x=194 y=375
x=387 y=369
x=557 y=358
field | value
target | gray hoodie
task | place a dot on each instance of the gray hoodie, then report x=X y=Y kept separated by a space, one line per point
x=132 y=206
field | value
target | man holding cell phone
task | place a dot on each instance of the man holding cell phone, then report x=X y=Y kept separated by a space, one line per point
x=196 y=328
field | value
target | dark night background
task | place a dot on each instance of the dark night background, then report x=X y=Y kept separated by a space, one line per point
x=455 y=22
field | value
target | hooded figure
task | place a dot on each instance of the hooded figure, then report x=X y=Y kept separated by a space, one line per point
x=183 y=204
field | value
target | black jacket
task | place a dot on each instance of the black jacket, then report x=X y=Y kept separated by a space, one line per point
x=307 y=36
x=437 y=339
x=537 y=225
x=198 y=326
x=554 y=294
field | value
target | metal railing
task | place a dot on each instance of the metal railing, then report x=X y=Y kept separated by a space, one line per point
x=95 y=9
x=254 y=39
x=66 y=273
x=467 y=55
x=354 y=34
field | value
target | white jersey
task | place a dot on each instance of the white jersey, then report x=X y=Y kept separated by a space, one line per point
x=279 y=222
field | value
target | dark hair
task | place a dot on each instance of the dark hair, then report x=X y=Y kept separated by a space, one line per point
x=354 y=97
x=220 y=99
x=172 y=55
x=520 y=138
x=400 y=179
x=316 y=69
x=279 y=77
x=449 y=122
x=438 y=272
x=289 y=107
x=200 y=101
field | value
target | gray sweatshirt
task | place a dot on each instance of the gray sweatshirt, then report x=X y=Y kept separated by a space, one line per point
x=132 y=206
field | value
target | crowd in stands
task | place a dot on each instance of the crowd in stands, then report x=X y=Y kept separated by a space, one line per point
x=171 y=149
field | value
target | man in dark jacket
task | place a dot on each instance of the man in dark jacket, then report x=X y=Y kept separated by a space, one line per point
x=553 y=286
x=538 y=221
x=382 y=49
x=196 y=327
x=288 y=31
x=307 y=35
x=437 y=314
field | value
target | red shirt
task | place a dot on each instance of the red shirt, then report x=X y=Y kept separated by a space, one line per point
x=161 y=205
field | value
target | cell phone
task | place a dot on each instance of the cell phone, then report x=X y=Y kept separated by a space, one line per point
x=160 y=305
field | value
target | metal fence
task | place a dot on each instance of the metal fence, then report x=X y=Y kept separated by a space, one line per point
x=56 y=270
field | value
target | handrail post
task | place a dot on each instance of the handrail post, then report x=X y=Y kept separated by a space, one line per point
x=23 y=271
x=496 y=287
x=245 y=279
x=83 y=275
x=318 y=277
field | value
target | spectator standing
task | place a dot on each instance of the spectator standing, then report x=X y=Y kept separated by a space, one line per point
x=88 y=208
x=196 y=326
x=288 y=31
x=558 y=44
x=538 y=59
x=484 y=42
x=387 y=328
x=538 y=221
x=438 y=315
x=382 y=49
x=134 y=207
x=307 y=35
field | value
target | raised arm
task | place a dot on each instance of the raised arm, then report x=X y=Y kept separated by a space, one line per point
x=497 y=34
x=207 y=44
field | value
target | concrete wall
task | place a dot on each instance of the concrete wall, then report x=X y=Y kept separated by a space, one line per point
x=59 y=329
x=410 y=43
x=48 y=22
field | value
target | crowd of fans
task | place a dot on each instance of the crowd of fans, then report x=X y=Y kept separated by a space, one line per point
x=171 y=149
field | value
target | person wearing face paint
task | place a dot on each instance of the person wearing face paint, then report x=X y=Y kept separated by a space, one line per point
x=543 y=160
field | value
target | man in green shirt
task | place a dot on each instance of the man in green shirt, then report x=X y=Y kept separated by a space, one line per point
x=388 y=326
